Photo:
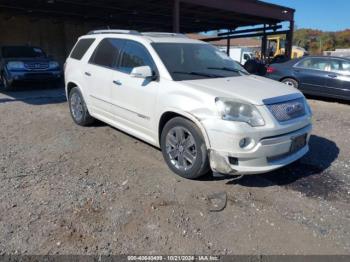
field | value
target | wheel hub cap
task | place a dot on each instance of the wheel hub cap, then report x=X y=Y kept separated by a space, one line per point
x=181 y=148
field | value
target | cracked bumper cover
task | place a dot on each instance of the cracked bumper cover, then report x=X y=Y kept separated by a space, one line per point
x=269 y=152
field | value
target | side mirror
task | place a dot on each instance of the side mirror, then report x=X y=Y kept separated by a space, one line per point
x=141 y=72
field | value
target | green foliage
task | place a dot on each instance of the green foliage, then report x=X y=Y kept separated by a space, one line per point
x=316 y=41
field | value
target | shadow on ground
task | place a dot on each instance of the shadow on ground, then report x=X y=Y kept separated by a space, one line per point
x=34 y=94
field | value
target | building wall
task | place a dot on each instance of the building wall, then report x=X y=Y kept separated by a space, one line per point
x=56 y=37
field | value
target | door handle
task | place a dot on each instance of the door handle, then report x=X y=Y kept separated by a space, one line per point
x=87 y=74
x=117 y=82
x=332 y=76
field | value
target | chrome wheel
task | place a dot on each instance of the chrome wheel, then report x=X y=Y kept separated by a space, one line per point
x=76 y=105
x=289 y=83
x=181 y=148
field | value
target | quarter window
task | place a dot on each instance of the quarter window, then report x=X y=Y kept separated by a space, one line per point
x=81 y=47
x=135 y=55
x=107 y=52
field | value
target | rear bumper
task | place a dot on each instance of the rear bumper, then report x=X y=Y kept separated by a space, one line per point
x=34 y=76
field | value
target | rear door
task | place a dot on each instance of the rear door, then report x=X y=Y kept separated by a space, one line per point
x=312 y=74
x=99 y=73
x=338 y=82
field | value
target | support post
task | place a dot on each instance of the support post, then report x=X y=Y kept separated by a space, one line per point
x=228 y=44
x=263 y=45
x=176 y=16
x=289 y=44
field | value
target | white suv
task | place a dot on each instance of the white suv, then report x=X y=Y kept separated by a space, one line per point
x=188 y=98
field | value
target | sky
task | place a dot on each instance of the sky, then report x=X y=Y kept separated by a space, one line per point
x=326 y=15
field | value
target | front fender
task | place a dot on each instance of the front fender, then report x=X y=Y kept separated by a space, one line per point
x=189 y=116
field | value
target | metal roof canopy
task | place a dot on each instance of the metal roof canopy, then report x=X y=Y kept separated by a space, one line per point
x=157 y=15
x=184 y=16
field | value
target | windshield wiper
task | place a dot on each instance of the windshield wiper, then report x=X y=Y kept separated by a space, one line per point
x=196 y=73
x=229 y=69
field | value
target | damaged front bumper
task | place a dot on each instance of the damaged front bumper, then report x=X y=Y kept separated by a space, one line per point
x=268 y=154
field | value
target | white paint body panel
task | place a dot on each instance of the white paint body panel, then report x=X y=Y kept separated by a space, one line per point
x=137 y=107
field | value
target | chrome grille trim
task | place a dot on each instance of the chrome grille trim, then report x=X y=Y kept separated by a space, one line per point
x=36 y=65
x=288 y=110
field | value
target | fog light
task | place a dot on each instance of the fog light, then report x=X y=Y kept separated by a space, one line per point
x=246 y=143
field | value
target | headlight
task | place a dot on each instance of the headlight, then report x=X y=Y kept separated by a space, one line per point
x=232 y=110
x=15 y=65
x=53 y=65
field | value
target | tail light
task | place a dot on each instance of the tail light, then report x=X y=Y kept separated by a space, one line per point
x=270 y=70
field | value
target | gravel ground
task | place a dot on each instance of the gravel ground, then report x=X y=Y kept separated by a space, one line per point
x=66 y=189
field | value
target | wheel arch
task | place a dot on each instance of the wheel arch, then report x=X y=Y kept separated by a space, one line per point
x=172 y=113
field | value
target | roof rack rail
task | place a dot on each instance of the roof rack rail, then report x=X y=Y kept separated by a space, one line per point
x=162 y=34
x=114 y=31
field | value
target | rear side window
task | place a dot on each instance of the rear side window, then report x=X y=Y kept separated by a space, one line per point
x=81 y=47
x=107 y=52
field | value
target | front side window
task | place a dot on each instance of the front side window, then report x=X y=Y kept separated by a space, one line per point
x=135 y=55
x=191 y=61
x=315 y=64
x=340 y=66
x=107 y=52
x=346 y=67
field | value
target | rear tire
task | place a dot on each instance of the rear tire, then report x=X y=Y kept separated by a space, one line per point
x=184 y=148
x=78 y=109
x=291 y=82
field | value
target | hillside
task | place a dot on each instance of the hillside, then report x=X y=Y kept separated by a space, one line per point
x=316 y=41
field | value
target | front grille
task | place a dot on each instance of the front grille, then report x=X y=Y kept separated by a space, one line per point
x=36 y=65
x=288 y=110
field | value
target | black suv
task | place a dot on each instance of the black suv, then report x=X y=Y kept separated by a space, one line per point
x=26 y=63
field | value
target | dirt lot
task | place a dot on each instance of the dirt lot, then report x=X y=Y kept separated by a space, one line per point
x=72 y=190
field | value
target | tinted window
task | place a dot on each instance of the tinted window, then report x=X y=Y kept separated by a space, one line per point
x=186 y=61
x=81 y=47
x=316 y=64
x=135 y=55
x=22 y=51
x=107 y=52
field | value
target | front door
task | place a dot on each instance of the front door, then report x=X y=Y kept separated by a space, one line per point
x=135 y=98
x=338 y=82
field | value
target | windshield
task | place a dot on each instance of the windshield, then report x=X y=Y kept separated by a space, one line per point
x=22 y=52
x=190 y=61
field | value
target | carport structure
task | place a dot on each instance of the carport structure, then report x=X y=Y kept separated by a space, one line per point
x=144 y=15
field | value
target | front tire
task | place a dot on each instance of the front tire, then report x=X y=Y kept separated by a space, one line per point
x=291 y=82
x=6 y=85
x=78 y=109
x=184 y=148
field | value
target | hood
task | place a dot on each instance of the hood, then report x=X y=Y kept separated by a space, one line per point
x=253 y=89
x=28 y=59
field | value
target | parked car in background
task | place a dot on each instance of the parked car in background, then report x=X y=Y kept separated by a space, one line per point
x=26 y=63
x=315 y=75
x=188 y=98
